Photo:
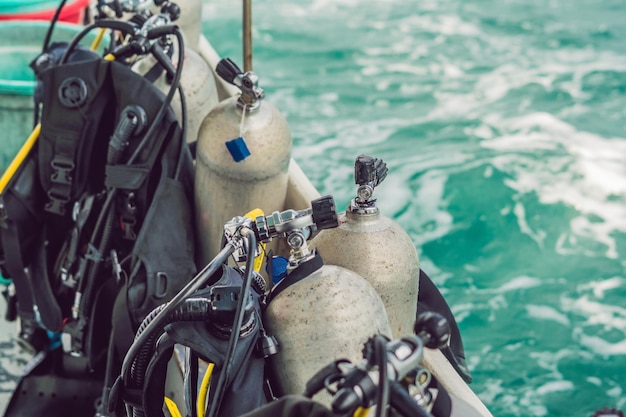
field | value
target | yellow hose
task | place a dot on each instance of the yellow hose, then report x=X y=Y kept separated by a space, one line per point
x=172 y=407
x=96 y=42
x=204 y=390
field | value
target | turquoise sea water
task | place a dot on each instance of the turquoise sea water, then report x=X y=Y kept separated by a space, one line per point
x=503 y=126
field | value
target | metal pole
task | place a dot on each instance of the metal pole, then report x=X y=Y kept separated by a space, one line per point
x=247 y=35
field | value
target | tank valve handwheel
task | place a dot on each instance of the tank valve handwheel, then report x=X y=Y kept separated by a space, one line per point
x=324 y=213
x=369 y=172
x=247 y=82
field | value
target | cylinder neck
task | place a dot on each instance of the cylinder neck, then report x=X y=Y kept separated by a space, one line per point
x=358 y=209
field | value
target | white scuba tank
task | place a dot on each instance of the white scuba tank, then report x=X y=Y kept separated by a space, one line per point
x=242 y=158
x=326 y=316
x=198 y=84
x=190 y=22
x=375 y=247
x=318 y=313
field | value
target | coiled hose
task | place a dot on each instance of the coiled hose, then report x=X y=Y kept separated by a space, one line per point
x=191 y=309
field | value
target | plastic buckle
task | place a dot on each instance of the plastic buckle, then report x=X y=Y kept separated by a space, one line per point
x=57 y=203
x=62 y=170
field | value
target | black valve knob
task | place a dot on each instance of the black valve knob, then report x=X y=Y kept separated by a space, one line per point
x=228 y=70
x=369 y=170
x=324 y=212
x=433 y=329
x=172 y=10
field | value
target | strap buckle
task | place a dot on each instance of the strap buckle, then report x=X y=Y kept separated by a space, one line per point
x=63 y=168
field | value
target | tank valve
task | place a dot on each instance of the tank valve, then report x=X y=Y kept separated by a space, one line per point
x=298 y=226
x=368 y=173
x=248 y=82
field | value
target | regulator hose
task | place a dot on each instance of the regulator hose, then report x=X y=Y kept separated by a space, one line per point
x=159 y=315
x=224 y=376
x=191 y=309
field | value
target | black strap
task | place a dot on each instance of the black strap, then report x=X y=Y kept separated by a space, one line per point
x=43 y=296
x=15 y=267
x=28 y=296
x=431 y=299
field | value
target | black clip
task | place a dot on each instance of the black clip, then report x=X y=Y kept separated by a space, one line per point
x=57 y=203
x=63 y=168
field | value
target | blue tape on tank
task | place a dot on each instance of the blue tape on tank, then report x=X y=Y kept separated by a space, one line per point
x=238 y=149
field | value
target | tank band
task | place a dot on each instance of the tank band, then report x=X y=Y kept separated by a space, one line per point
x=302 y=271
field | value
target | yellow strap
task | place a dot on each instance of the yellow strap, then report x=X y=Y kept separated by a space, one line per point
x=172 y=407
x=19 y=158
x=258 y=261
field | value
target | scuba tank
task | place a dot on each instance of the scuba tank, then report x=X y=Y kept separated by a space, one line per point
x=375 y=247
x=243 y=154
x=317 y=313
x=190 y=21
x=197 y=80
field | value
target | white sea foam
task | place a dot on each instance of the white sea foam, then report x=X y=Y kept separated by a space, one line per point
x=600 y=346
x=520 y=213
x=600 y=287
x=544 y=312
x=554 y=386
x=580 y=169
x=597 y=313
x=522 y=282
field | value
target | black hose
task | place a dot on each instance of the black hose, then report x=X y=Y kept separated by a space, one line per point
x=190 y=382
x=122 y=26
x=53 y=22
x=168 y=99
x=191 y=309
x=220 y=388
x=148 y=327
x=382 y=394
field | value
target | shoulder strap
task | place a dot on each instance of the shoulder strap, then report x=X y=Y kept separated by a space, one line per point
x=75 y=99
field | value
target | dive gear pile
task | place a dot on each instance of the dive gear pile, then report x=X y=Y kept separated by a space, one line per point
x=98 y=234
x=84 y=217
